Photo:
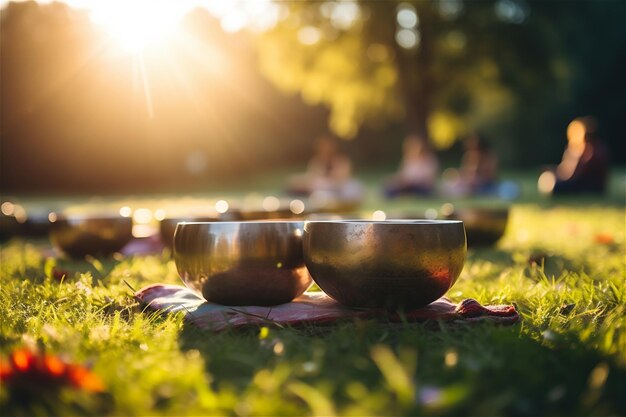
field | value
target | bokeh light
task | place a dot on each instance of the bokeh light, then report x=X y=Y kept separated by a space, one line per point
x=221 y=206
x=406 y=16
x=270 y=203
x=296 y=206
x=379 y=215
x=126 y=211
x=7 y=208
x=407 y=38
x=309 y=35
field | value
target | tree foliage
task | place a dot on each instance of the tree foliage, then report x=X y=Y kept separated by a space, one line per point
x=471 y=64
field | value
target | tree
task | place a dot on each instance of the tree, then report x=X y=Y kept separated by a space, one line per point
x=440 y=65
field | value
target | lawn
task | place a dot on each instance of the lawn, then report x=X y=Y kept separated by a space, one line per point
x=562 y=264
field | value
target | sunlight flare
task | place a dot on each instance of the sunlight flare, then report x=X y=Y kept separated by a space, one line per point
x=135 y=25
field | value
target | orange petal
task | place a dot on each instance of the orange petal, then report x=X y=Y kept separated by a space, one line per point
x=85 y=379
x=22 y=359
x=54 y=365
x=5 y=370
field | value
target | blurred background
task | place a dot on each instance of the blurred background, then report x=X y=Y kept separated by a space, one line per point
x=156 y=96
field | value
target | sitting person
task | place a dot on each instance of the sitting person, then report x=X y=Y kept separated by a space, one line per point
x=328 y=175
x=479 y=166
x=418 y=170
x=584 y=166
x=478 y=174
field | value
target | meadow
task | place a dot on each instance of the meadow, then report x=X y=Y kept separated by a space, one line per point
x=560 y=262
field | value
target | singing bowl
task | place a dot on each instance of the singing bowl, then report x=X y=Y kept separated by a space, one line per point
x=388 y=264
x=484 y=226
x=9 y=227
x=242 y=263
x=78 y=236
x=32 y=226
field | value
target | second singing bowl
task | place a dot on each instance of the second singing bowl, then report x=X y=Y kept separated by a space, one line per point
x=79 y=236
x=388 y=264
x=484 y=226
x=242 y=263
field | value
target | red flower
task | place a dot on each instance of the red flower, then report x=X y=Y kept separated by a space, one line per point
x=604 y=238
x=37 y=371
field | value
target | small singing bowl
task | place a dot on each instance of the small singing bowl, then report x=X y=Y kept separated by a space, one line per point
x=388 y=264
x=242 y=263
x=484 y=226
x=78 y=236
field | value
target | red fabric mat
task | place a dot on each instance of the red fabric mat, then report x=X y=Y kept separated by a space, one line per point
x=310 y=307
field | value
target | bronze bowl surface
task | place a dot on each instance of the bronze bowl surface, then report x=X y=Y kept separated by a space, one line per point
x=78 y=236
x=242 y=263
x=389 y=264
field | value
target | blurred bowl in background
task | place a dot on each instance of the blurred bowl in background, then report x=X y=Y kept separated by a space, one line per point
x=390 y=264
x=79 y=235
x=9 y=227
x=282 y=213
x=16 y=221
x=242 y=263
x=167 y=226
x=484 y=226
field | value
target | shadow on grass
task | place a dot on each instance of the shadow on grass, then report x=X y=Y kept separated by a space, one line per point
x=535 y=261
x=497 y=370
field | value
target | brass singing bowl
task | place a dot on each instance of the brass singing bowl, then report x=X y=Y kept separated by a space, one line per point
x=388 y=264
x=242 y=263
x=33 y=226
x=78 y=236
x=484 y=226
x=9 y=227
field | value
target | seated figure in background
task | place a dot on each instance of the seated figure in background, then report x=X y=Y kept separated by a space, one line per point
x=418 y=170
x=328 y=176
x=478 y=173
x=585 y=162
x=479 y=166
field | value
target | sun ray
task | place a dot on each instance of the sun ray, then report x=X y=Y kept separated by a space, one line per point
x=145 y=84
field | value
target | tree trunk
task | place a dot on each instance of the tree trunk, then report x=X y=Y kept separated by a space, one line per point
x=414 y=69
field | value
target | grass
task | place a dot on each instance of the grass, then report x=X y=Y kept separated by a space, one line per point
x=562 y=265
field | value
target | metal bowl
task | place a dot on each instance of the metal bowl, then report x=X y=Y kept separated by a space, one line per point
x=390 y=264
x=484 y=226
x=9 y=227
x=34 y=226
x=78 y=236
x=242 y=263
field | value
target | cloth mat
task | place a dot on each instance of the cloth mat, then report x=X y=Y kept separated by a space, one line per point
x=310 y=307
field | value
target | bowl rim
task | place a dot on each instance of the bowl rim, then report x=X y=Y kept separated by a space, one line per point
x=238 y=222
x=407 y=222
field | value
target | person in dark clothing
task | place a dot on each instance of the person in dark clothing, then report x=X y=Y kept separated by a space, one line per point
x=585 y=164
